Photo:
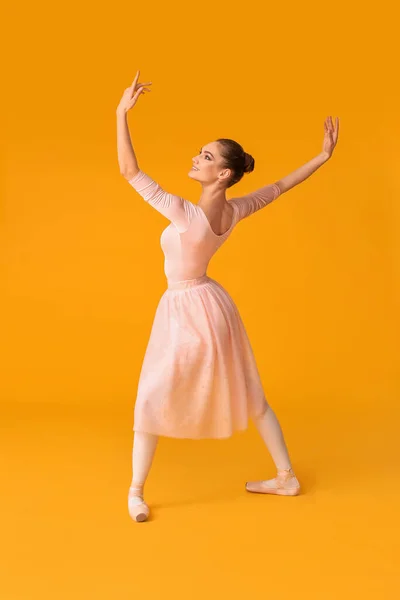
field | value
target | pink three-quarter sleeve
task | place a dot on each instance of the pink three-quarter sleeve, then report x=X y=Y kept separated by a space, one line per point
x=250 y=203
x=173 y=207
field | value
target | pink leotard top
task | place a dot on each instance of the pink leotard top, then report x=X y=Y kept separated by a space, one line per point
x=188 y=242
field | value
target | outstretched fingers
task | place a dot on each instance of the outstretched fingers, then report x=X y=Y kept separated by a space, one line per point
x=133 y=86
x=135 y=83
x=331 y=128
x=336 y=128
x=139 y=91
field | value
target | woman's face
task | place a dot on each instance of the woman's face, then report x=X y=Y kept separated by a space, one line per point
x=207 y=165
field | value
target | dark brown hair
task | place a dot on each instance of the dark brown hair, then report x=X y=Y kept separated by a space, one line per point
x=235 y=158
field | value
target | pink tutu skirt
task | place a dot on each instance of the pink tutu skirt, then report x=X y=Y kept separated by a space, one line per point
x=199 y=377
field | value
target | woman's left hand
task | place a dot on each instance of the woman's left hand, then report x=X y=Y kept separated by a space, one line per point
x=331 y=136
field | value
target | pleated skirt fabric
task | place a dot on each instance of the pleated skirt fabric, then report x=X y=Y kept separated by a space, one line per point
x=199 y=377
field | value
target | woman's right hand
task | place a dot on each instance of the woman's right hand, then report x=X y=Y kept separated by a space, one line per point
x=131 y=94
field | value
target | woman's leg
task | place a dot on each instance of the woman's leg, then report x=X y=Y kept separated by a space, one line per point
x=144 y=447
x=271 y=432
x=286 y=482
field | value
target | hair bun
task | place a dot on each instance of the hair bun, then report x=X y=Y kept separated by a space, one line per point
x=248 y=163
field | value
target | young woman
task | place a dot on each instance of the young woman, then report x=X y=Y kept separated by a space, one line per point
x=199 y=377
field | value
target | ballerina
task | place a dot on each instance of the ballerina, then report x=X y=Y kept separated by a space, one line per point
x=199 y=377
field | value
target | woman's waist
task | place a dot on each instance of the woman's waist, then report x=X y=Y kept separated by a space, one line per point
x=188 y=283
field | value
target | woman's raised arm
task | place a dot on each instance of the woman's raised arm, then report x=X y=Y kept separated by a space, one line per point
x=128 y=165
x=176 y=209
x=250 y=203
x=331 y=133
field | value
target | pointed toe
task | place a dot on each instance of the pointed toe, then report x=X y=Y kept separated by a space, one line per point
x=284 y=484
x=139 y=512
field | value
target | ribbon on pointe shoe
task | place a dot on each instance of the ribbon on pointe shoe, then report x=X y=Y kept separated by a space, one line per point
x=285 y=484
x=138 y=509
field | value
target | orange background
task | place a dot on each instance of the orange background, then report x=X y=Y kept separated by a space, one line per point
x=315 y=276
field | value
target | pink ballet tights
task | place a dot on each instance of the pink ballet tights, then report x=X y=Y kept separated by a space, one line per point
x=270 y=430
x=145 y=445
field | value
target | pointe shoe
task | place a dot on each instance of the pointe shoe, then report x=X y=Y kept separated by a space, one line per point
x=137 y=507
x=284 y=484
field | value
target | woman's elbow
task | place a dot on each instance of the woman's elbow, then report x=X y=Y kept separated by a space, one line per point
x=129 y=174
